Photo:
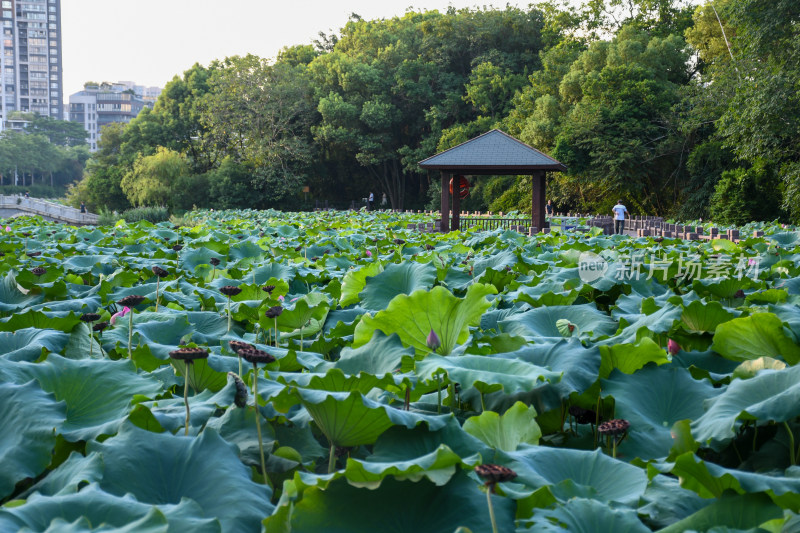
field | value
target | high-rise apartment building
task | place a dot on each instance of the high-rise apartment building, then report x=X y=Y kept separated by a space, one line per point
x=30 y=57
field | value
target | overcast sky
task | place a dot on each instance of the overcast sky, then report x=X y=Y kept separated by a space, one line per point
x=150 y=41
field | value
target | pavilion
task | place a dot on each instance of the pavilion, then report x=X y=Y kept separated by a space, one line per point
x=494 y=153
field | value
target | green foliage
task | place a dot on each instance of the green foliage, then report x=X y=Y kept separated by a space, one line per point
x=152 y=214
x=743 y=195
x=155 y=178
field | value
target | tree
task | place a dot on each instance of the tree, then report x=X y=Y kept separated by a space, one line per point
x=259 y=115
x=155 y=178
x=60 y=132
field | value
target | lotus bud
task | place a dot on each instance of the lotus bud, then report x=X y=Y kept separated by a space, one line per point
x=673 y=347
x=433 y=341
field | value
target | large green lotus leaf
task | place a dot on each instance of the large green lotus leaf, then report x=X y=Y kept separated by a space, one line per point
x=403 y=278
x=399 y=444
x=152 y=522
x=305 y=317
x=426 y=508
x=238 y=426
x=350 y=419
x=381 y=355
x=487 y=374
x=738 y=511
x=723 y=289
x=755 y=336
x=769 y=396
x=438 y=467
x=576 y=473
x=579 y=365
x=665 y=502
x=70 y=476
x=414 y=317
x=29 y=421
x=190 y=259
x=61 y=321
x=334 y=380
x=356 y=280
x=750 y=368
x=162 y=469
x=13 y=297
x=660 y=321
x=100 y=508
x=30 y=344
x=580 y=515
x=629 y=358
x=96 y=264
x=507 y=431
x=647 y=400
x=201 y=375
x=540 y=323
x=698 y=317
x=171 y=413
x=710 y=480
x=97 y=392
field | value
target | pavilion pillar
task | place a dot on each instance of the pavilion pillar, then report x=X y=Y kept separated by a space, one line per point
x=445 y=210
x=456 y=205
x=538 y=199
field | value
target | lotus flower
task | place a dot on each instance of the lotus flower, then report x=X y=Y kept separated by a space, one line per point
x=119 y=314
x=433 y=341
x=673 y=347
x=368 y=253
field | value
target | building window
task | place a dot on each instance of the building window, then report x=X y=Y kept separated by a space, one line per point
x=6 y=4
x=7 y=14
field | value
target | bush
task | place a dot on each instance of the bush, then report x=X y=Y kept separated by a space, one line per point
x=154 y=214
x=745 y=195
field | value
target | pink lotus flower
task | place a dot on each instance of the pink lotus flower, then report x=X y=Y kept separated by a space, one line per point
x=369 y=254
x=8 y=228
x=120 y=314
x=280 y=297
x=673 y=347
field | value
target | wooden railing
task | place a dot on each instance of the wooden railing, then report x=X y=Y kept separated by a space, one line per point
x=19 y=205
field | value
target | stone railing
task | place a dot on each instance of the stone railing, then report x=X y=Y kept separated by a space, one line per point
x=11 y=206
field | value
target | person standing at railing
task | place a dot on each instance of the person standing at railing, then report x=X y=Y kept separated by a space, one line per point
x=27 y=194
x=619 y=217
x=83 y=207
x=548 y=209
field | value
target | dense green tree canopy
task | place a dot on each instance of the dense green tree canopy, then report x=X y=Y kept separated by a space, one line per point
x=677 y=106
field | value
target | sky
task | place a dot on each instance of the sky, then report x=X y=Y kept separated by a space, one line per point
x=151 y=41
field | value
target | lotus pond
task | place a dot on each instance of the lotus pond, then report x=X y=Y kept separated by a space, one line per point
x=260 y=371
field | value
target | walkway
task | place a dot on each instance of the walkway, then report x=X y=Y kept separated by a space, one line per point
x=14 y=206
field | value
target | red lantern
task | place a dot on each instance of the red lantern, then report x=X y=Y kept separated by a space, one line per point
x=463 y=186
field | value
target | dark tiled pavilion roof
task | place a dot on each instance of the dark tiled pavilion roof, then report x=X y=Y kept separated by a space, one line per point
x=493 y=152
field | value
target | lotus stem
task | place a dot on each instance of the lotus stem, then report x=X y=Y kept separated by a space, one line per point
x=186 y=393
x=614 y=449
x=258 y=421
x=276 y=332
x=438 y=394
x=229 y=320
x=453 y=403
x=597 y=419
x=91 y=341
x=489 y=491
x=158 y=284
x=408 y=398
x=130 y=332
x=792 y=453
x=483 y=403
x=332 y=459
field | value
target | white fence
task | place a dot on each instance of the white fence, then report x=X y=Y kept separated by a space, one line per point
x=11 y=206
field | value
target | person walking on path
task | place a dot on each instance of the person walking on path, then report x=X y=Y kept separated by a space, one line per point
x=548 y=209
x=83 y=207
x=619 y=217
x=383 y=201
x=371 y=201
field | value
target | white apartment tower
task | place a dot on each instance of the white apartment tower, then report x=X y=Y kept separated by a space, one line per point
x=30 y=57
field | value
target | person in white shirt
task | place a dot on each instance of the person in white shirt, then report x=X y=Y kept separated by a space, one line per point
x=619 y=217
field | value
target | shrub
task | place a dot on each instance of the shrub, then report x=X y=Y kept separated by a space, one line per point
x=153 y=214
